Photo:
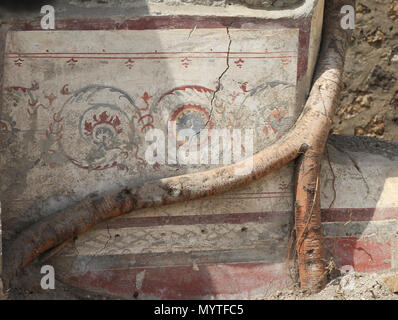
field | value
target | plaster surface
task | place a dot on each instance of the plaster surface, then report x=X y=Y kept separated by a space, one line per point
x=77 y=103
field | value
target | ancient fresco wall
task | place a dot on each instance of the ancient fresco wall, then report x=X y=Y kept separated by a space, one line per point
x=359 y=187
x=77 y=105
x=196 y=248
x=134 y=81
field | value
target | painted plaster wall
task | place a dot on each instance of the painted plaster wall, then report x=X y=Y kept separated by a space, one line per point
x=238 y=234
x=58 y=88
x=193 y=240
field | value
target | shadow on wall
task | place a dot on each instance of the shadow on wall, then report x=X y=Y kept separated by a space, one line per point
x=24 y=5
x=360 y=227
x=15 y=9
x=19 y=210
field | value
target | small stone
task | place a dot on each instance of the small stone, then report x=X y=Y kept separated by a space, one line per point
x=362 y=9
x=393 y=12
x=392 y=283
x=376 y=38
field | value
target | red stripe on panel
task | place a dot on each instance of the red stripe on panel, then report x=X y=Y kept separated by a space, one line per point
x=364 y=255
x=241 y=280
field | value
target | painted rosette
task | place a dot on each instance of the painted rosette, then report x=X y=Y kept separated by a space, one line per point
x=95 y=128
x=186 y=107
x=265 y=108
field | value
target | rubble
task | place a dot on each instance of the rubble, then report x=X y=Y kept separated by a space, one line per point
x=351 y=286
x=392 y=282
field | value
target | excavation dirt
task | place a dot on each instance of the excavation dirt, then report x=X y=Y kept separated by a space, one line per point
x=351 y=286
x=369 y=100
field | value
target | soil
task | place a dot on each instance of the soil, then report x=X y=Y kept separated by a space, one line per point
x=369 y=100
x=351 y=286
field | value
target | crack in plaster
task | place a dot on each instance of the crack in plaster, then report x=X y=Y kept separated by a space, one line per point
x=218 y=88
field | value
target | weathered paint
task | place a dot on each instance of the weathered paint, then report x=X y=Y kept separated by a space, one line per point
x=43 y=132
x=221 y=281
x=249 y=220
x=209 y=236
x=365 y=255
x=89 y=130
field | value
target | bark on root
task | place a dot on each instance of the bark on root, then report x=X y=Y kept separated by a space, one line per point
x=308 y=136
x=324 y=94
